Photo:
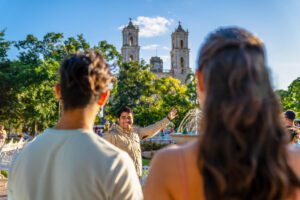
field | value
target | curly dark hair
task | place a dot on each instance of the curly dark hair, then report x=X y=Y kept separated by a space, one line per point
x=243 y=149
x=124 y=109
x=84 y=76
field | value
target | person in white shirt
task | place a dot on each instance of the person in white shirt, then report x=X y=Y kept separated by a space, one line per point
x=69 y=161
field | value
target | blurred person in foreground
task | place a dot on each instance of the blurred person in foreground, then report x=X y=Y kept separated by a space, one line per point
x=69 y=161
x=245 y=153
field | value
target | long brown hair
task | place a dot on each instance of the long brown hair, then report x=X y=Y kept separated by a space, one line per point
x=243 y=149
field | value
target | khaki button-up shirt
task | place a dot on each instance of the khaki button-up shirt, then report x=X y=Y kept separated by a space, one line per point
x=129 y=141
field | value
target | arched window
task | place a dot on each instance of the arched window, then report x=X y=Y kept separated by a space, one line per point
x=131 y=58
x=130 y=41
x=173 y=43
x=182 y=65
x=181 y=44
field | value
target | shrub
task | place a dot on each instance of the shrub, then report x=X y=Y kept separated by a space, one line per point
x=152 y=146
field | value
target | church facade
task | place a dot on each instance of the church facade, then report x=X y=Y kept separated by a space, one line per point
x=179 y=54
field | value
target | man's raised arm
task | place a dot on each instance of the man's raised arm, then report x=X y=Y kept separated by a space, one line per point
x=152 y=130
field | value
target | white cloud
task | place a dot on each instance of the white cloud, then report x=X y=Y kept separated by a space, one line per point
x=166 y=48
x=151 y=26
x=121 y=27
x=155 y=46
x=150 y=47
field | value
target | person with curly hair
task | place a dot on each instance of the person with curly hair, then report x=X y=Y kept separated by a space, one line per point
x=69 y=161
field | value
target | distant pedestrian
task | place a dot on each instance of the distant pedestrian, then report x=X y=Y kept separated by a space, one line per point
x=289 y=117
x=3 y=135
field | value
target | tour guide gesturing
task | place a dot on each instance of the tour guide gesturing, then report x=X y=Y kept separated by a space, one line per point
x=127 y=137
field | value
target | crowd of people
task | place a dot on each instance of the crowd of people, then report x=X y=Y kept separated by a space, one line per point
x=245 y=154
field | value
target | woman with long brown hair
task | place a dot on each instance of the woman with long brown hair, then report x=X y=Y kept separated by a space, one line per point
x=242 y=152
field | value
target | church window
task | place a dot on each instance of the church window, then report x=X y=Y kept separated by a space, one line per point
x=182 y=65
x=130 y=41
x=173 y=43
x=131 y=58
x=181 y=43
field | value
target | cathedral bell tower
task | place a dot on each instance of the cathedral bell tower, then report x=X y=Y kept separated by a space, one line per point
x=130 y=48
x=180 y=54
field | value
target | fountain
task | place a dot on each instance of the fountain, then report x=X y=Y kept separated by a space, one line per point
x=188 y=128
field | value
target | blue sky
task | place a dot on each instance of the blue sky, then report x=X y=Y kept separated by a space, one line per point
x=276 y=22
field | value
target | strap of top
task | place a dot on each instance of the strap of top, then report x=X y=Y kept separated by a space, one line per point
x=183 y=174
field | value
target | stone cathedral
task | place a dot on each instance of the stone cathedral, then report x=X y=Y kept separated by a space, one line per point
x=180 y=52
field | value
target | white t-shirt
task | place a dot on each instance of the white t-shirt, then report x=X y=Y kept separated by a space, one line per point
x=71 y=165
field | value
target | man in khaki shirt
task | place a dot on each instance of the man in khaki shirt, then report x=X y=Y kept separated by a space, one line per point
x=127 y=137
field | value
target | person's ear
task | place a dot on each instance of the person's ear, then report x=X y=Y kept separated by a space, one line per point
x=200 y=88
x=103 y=98
x=200 y=84
x=58 y=91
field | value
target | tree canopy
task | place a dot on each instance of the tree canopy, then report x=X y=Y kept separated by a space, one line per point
x=290 y=98
x=27 y=83
x=151 y=98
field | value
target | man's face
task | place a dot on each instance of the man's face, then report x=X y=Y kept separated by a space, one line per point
x=126 y=120
x=288 y=122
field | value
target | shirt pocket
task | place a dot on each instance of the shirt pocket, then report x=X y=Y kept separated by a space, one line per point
x=137 y=144
x=124 y=143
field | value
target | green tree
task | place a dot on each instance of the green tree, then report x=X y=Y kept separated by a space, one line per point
x=4 y=47
x=174 y=94
x=151 y=98
x=7 y=83
x=28 y=82
x=9 y=112
x=108 y=50
x=134 y=81
x=290 y=99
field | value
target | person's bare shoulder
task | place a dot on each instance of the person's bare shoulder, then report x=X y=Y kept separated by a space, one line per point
x=164 y=175
x=294 y=158
x=167 y=159
x=172 y=151
x=162 y=170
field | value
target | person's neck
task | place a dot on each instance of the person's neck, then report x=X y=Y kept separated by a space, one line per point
x=79 y=118
x=126 y=130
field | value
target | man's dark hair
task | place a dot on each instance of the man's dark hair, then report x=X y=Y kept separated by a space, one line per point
x=290 y=115
x=124 y=109
x=84 y=76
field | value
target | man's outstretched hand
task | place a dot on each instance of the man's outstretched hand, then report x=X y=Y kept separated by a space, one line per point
x=172 y=114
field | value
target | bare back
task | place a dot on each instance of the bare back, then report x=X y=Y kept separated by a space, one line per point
x=174 y=173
